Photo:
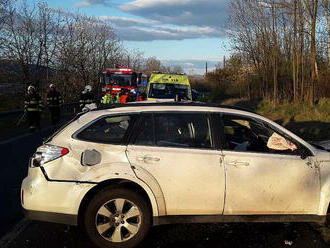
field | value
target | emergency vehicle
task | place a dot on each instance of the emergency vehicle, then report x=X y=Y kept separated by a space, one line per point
x=167 y=86
x=116 y=79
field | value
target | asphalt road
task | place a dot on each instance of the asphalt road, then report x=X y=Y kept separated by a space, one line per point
x=15 y=153
x=41 y=235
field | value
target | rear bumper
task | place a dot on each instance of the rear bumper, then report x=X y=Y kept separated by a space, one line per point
x=51 y=201
x=66 y=219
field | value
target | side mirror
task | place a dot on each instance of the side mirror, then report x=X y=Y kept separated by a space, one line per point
x=303 y=154
x=90 y=158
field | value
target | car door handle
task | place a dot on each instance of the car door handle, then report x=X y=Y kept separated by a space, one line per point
x=238 y=164
x=148 y=159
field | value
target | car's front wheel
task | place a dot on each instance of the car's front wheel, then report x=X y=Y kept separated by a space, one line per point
x=117 y=218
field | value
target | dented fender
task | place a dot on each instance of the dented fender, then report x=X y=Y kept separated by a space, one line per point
x=123 y=171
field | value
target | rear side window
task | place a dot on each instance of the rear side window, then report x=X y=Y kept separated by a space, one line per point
x=145 y=134
x=109 y=130
x=183 y=130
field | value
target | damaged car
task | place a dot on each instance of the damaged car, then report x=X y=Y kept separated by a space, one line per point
x=117 y=172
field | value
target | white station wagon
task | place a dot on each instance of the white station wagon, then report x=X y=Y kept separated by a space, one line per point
x=118 y=171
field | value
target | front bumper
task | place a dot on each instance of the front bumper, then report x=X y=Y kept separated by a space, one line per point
x=51 y=201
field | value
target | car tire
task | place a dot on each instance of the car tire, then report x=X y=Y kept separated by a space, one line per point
x=117 y=218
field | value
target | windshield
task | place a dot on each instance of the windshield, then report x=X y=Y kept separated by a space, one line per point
x=168 y=91
x=123 y=80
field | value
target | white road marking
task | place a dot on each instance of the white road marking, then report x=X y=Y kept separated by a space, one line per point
x=10 y=237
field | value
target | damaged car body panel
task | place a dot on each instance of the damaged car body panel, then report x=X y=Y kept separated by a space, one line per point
x=114 y=165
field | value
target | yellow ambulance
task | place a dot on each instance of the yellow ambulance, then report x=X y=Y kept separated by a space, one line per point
x=168 y=86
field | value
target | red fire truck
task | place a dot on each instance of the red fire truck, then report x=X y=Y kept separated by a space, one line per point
x=116 y=79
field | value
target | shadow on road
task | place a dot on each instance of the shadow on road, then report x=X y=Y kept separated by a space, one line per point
x=40 y=235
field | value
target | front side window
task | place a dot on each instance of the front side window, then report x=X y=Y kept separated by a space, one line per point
x=182 y=130
x=248 y=135
x=109 y=130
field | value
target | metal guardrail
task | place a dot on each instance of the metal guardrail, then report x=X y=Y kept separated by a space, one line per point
x=66 y=108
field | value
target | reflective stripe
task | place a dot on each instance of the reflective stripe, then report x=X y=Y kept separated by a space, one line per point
x=32 y=109
x=33 y=102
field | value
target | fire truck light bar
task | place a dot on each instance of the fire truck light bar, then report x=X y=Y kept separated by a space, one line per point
x=119 y=70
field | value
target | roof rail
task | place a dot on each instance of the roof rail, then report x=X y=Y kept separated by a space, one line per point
x=170 y=103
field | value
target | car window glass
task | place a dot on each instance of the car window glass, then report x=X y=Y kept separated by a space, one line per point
x=183 y=130
x=145 y=134
x=248 y=135
x=110 y=129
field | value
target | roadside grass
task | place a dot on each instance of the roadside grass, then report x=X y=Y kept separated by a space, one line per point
x=311 y=122
x=301 y=112
x=286 y=111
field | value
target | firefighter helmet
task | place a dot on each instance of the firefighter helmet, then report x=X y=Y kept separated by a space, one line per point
x=31 y=89
x=88 y=88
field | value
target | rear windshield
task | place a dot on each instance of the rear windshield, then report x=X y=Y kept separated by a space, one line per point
x=168 y=91
x=108 y=130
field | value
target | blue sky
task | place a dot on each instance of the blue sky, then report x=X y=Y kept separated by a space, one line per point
x=178 y=32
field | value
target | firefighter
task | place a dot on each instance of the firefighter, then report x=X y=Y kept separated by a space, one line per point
x=123 y=96
x=86 y=97
x=33 y=107
x=107 y=98
x=54 y=102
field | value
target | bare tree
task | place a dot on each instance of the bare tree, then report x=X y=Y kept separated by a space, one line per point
x=326 y=8
x=312 y=10
x=152 y=64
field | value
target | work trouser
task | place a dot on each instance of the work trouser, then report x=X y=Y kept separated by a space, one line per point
x=55 y=115
x=33 y=118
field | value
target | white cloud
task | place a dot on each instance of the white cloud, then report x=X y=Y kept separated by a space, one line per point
x=158 y=32
x=168 y=19
x=89 y=3
x=193 y=66
x=188 y=65
x=185 y=12
x=127 y=22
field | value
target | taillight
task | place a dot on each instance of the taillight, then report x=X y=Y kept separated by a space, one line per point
x=47 y=153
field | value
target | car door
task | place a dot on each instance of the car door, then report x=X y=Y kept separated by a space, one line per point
x=177 y=149
x=262 y=177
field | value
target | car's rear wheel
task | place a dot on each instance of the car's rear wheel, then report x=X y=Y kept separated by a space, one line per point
x=117 y=218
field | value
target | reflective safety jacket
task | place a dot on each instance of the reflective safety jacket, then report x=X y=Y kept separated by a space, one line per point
x=86 y=98
x=123 y=98
x=107 y=99
x=54 y=99
x=33 y=103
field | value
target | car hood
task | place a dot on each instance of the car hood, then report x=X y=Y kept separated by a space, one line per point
x=323 y=151
x=325 y=144
x=322 y=144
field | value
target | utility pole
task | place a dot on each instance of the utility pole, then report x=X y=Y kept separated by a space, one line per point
x=206 y=68
x=224 y=61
